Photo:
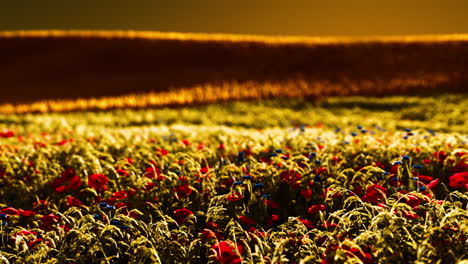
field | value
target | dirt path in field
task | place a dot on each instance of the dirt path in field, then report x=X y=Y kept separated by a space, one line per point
x=35 y=66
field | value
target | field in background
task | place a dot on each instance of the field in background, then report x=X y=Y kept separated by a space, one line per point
x=187 y=68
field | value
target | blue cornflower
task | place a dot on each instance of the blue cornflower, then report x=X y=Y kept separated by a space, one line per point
x=115 y=222
x=103 y=205
x=415 y=178
x=386 y=173
x=353 y=134
x=317 y=178
x=363 y=131
x=97 y=216
x=124 y=227
x=248 y=177
x=346 y=142
x=274 y=155
x=405 y=137
x=258 y=185
x=338 y=129
x=238 y=182
x=241 y=156
x=3 y=216
x=422 y=188
x=177 y=172
x=398 y=162
x=359 y=127
x=417 y=166
x=278 y=150
x=406 y=157
x=313 y=154
x=394 y=179
x=285 y=158
x=110 y=207
x=265 y=196
x=317 y=162
x=408 y=130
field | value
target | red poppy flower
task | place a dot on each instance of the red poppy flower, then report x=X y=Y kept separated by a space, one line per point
x=163 y=152
x=183 y=190
x=35 y=242
x=226 y=252
x=120 y=195
x=122 y=172
x=204 y=170
x=9 y=211
x=306 y=222
x=27 y=213
x=233 y=197
x=291 y=177
x=273 y=219
x=154 y=173
x=412 y=200
x=271 y=204
x=316 y=208
x=61 y=189
x=68 y=173
x=246 y=220
x=307 y=194
x=72 y=201
x=7 y=133
x=460 y=167
x=409 y=215
x=149 y=186
x=459 y=180
x=98 y=182
x=182 y=214
x=440 y=155
x=75 y=183
x=433 y=184
x=374 y=193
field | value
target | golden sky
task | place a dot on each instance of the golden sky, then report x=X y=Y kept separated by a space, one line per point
x=269 y=17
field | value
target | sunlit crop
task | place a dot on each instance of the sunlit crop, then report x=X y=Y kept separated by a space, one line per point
x=343 y=180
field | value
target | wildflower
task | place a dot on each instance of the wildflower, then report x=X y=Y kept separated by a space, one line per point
x=258 y=185
x=72 y=201
x=307 y=194
x=238 y=183
x=246 y=220
x=306 y=222
x=183 y=190
x=271 y=204
x=433 y=184
x=154 y=173
x=417 y=166
x=227 y=252
x=120 y=195
x=233 y=197
x=316 y=208
x=182 y=214
x=459 y=180
x=10 y=211
x=374 y=193
x=406 y=157
x=122 y=172
x=48 y=220
x=248 y=177
x=98 y=182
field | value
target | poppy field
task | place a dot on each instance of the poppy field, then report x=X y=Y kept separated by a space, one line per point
x=342 y=180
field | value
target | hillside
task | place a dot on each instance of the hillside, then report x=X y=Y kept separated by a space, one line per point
x=40 y=65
